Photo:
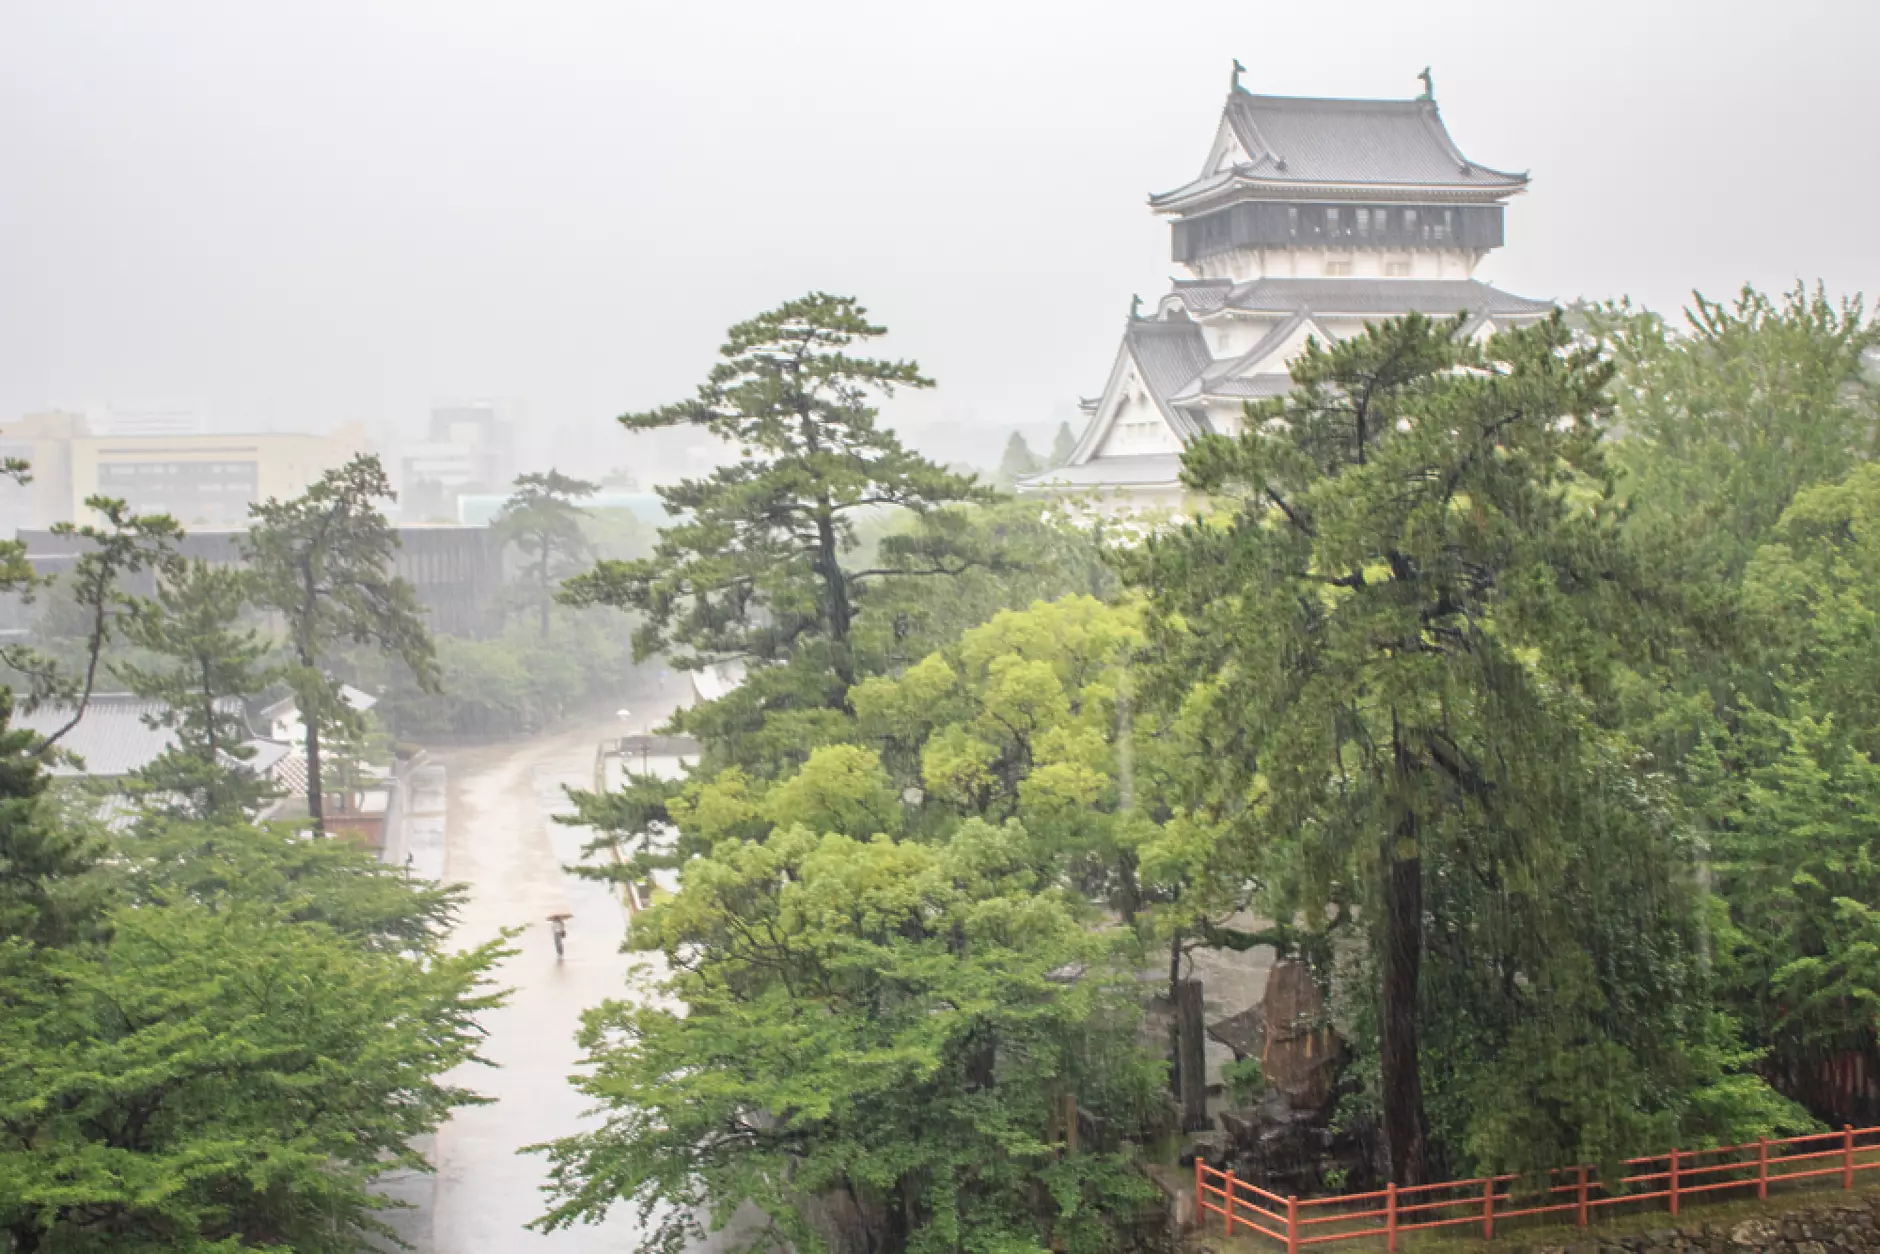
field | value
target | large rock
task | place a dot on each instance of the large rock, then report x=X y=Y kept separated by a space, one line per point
x=1210 y=1147
x=1302 y=1053
x=1244 y=1033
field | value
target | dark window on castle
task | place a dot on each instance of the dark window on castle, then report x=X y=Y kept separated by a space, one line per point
x=1364 y=221
x=1292 y=220
x=1410 y=222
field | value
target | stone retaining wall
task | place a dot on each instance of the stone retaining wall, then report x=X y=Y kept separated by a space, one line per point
x=1848 y=1223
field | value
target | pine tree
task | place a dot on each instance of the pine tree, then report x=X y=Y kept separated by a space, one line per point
x=193 y=623
x=46 y=897
x=124 y=545
x=541 y=519
x=1409 y=607
x=323 y=562
x=753 y=567
x=1063 y=445
x=1018 y=460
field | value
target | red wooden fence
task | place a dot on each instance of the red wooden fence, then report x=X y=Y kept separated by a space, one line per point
x=1390 y=1211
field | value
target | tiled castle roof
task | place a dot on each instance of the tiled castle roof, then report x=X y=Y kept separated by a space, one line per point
x=1170 y=354
x=1436 y=298
x=1381 y=143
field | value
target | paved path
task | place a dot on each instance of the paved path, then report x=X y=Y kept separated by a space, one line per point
x=499 y=841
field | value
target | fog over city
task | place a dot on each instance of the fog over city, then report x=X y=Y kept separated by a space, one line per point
x=849 y=627
x=290 y=217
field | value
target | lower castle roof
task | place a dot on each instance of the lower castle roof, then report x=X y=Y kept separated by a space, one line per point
x=1369 y=298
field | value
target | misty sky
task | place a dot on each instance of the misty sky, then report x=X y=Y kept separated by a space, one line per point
x=286 y=216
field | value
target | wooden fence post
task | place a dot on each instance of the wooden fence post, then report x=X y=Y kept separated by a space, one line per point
x=1847 y=1155
x=1292 y=1224
x=1580 y=1198
x=1201 y=1214
x=1674 y=1181
x=1488 y=1209
x=1762 y=1168
x=1390 y=1217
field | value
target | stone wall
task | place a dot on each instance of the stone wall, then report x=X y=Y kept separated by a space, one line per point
x=1846 y=1223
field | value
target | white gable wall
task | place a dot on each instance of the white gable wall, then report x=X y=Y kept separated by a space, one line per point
x=1134 y=421
x=1227 y=151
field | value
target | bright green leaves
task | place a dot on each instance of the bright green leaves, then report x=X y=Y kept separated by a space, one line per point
x=209 y=1072
x=842 y=788
x=248 y=1031
x=886 y=1019
x=1792 y=794
x=1727 y=422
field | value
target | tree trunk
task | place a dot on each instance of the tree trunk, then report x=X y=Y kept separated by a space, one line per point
x=1128 y=887
x=316 y=801
x=835 y=590
x=1398 y=1051
x=1174 y=1015
x=1191 y=1035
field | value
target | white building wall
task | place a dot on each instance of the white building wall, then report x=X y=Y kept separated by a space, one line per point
x=1244 y=264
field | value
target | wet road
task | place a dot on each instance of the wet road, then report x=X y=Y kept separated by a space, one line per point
x=499 y=841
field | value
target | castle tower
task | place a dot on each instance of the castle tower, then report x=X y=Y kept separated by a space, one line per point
x=1309 y=218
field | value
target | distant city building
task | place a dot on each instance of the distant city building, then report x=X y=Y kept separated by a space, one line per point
x=200 y=480
x=1310 y=218
x=471 y=448
x=117 y=422
x=203 y=480
x=44 y=441
x=455 y=572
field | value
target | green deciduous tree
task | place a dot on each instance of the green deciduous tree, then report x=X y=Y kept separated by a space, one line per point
x=256 y=1035
x=216 y=1037
x=876 y=1035
x=323 y=562
x=1789 y=786
x=1724 y=423
x=1029 y=716
x=541 y=520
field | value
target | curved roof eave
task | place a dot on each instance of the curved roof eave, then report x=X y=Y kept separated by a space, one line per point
x=1189 y=198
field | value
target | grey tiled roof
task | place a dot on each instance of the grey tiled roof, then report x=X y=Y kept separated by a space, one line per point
x=1171 y=354
x=113 y=738
x=1253 y=387
x=1228 y=377
x=1279 y=334
x=1140 y=471
x=1203 y=295
x=1298 y=139
x=1378 y=298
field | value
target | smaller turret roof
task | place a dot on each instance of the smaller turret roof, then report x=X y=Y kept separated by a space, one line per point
x=1170 y=353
